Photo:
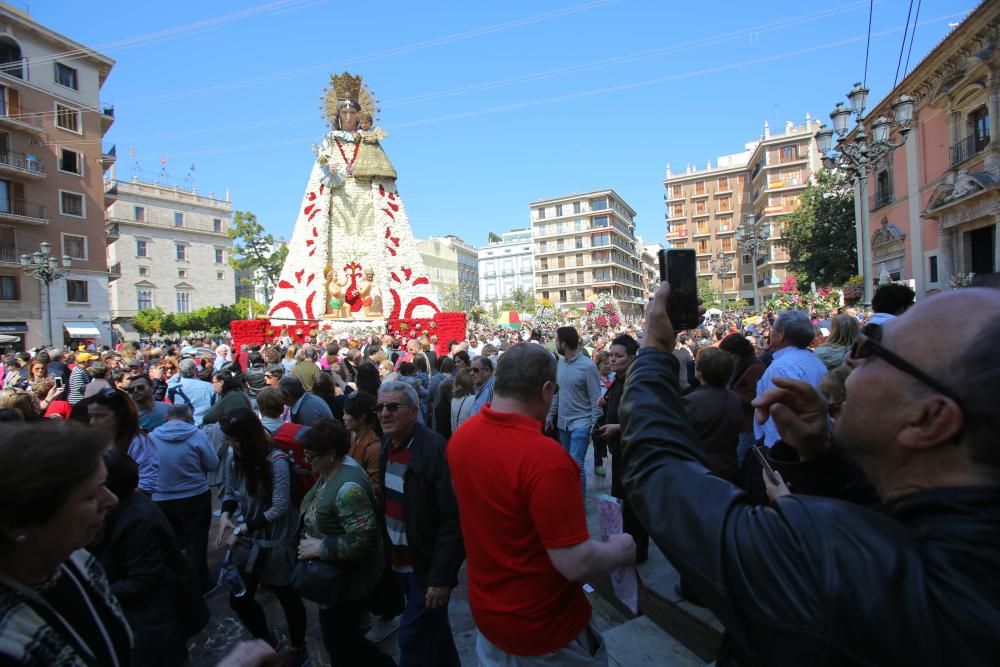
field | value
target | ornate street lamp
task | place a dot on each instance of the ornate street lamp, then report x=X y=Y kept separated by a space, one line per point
x=856 y=151
x=44 y=266
x=751 y=240
x=721 y=265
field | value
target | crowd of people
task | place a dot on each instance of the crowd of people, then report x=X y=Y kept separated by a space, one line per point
x=810 y=475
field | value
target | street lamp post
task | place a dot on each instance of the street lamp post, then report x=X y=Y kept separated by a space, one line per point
x=44 y=266
x=857 y=151
x=751 y=240
x=721 y=265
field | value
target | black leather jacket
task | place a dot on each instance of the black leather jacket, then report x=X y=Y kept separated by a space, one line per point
x=433 y=532
x=814 y=581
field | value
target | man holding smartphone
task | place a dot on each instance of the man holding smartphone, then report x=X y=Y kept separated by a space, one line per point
x=815 y=580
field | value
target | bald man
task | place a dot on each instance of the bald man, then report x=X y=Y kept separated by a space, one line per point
x=813 y=580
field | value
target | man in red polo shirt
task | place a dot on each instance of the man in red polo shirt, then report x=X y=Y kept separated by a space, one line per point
x=524 y=526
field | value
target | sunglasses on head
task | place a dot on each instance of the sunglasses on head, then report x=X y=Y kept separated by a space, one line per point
x=869 y=343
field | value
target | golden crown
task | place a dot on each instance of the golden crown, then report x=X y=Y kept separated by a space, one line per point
x=348 y=87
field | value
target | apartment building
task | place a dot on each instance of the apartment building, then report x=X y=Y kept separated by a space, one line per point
x=650 y=266
x=704 y=209
x=584 y=245
x=51 y=182
x=506 y=263
x=167 y=248
x=781 y=167
x=453 y=268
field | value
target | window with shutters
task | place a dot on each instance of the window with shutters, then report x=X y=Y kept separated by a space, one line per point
x=75 y=246
x=68 y=118
x=71 y=204
x=76 y=291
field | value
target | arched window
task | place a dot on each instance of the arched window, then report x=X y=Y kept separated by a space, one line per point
x=10 y=58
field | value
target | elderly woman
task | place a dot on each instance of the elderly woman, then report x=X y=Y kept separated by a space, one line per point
x=340 y=524
x=56 y=607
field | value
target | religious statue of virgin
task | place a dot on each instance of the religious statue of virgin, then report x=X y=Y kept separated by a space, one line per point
x=352 y=239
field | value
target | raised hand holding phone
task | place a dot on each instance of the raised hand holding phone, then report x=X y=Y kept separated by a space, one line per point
x=678 y=267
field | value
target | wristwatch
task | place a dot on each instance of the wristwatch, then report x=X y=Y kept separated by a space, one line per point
x=238 y=530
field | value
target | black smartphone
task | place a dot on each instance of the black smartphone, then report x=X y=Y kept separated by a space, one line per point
x=678 y=267
x=768 y=470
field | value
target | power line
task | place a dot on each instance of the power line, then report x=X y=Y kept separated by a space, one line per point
x=400 y=50
x=868 y=41
x=562 y=71
x=902 y=47
x=913 y=35
x=583 y=94
x=167 y=33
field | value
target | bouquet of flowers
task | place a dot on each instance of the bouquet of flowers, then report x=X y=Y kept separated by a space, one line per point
x=602 y=312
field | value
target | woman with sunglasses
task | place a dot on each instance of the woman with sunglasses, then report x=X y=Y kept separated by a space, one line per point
x=114 y=413
x=340 y=525
x=258 y=485
x=362 y=421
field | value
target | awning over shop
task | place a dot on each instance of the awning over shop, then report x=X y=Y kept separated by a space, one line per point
x=82 y=330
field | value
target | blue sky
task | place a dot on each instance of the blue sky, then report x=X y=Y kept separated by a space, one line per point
x=488 y=105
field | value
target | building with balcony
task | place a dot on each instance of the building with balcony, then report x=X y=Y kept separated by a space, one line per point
x=934 y=203
x=650 y=266
x=704 y=208
x=52 y=180
x=453 y=268
x=585 y=245
x=781 y=167
x=168 y=248
x=506 y=263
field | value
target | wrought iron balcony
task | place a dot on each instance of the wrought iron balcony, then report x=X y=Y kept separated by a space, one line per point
x=882 y=198
x=967 y=148
x=26 y=165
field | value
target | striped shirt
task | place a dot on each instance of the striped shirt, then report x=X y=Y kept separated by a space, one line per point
x=397 y=461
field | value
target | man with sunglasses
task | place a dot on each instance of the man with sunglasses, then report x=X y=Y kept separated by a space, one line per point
x=421 y=516
x=152 y=413
x=814 y=580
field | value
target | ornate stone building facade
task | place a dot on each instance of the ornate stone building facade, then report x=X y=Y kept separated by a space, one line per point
x=936 y=200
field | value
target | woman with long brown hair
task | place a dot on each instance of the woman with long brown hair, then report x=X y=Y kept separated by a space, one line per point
x=114 y=413
x=362 y=421
x=258 y=484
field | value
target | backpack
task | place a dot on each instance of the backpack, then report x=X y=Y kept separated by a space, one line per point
x=286 y=442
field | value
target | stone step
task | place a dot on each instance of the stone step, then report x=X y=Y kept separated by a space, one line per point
x=642 y=642
x=695 y=627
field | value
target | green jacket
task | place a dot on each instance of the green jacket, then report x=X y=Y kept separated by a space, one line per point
x=341 y=512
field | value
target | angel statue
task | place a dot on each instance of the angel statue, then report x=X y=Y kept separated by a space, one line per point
x=352 y=244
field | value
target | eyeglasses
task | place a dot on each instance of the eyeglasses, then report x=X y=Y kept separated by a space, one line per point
x=475 y=370
x=137 y=387
x=869 y=343
x=391 y=407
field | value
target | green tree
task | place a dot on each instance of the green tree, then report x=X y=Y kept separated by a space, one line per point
x=249 y=309
x=255 y=251
x=710 y=297
x=820 y=235
x=149 y=321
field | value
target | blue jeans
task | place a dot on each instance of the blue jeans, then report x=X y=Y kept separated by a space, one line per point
x=575 y=442
x=425 y=638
